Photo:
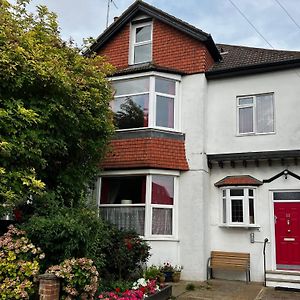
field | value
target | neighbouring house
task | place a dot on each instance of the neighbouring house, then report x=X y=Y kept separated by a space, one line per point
x=207 y=151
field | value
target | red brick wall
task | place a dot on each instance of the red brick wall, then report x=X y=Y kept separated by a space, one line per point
x=176 y=50
x=117 y=49
x=146 y=153
x=171 y=48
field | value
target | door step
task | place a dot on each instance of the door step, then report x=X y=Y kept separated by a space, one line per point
x=283 y=279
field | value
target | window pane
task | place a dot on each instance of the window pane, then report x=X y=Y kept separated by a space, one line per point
x=238 y=192
x=125 y=217
x=237 y=211
x=165 y=111
x=165 y=86
x=265 y=113
x=143 y=34
x=251 y=211
x=162 y=221
x=162 y=189
x=131 y=111
x=134 y=86
x=245 y=119
x=116 y=189
x=251 y=192
x=142 y=53
x=224 y=210
x=224 y=193
x=246 y=101
x=287 y=196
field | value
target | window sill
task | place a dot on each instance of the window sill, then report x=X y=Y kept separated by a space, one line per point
x=254 y=134
x=161 y=239
x=242 y=226
x=149 y=128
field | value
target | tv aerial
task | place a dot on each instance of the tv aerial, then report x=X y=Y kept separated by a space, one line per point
x=108 y=9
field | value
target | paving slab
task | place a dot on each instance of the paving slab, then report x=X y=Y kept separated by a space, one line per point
x=217 y=290
x=276 y=294
x=230 y=290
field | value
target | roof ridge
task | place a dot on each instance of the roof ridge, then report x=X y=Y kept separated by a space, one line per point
x=258 y=48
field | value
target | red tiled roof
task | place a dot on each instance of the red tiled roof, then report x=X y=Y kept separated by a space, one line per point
x=238 y=180
x=156 y=153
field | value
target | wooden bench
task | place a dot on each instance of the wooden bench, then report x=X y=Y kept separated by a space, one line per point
x=234 y=261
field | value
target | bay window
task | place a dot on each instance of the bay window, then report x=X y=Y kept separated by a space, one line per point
x=148 y=101
x=238 y=206
x=255 y=114
x=141 y=202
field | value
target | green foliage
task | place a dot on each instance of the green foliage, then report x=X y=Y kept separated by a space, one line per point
x=19 y=265
x=79 y=278
x=152 y=272
x=54 y=110
x=125 y=255
x=190 y=287
x=66 y=232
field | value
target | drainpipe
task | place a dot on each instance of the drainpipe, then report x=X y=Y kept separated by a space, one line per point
x=264 y=253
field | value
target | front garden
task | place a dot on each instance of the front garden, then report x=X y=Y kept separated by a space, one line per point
x=111 y=263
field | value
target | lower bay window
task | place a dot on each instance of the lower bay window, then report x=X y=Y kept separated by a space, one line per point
x=238 y=206
x=142 y=202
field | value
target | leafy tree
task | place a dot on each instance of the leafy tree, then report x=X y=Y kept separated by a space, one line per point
x=54 y=110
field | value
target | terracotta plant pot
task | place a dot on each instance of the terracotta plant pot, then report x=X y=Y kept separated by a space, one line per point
x=176 y=276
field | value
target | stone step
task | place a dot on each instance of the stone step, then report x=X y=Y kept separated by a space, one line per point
x=283 y=283
x=286 y=275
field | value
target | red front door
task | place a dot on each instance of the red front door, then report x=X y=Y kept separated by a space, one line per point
x=287 y=233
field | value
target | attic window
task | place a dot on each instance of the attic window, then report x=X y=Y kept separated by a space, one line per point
x=141 y=43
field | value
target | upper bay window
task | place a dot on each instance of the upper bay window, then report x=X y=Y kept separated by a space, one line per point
x=255 y=114
x=141 y=43
x=145 y=102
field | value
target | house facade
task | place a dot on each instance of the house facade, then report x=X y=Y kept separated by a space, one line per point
x=207 y=148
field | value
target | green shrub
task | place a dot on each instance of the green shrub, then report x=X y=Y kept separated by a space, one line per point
x=152 y=272
x=68 y=232
x=79 y=278
x=124 y=255
x=19 y=264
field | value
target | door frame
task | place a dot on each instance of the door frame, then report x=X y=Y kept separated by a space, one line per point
x=272 y=222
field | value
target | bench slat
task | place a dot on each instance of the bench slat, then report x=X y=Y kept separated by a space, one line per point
x=238 y=261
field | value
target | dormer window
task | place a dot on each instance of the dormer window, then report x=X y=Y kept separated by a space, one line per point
x=141 y=43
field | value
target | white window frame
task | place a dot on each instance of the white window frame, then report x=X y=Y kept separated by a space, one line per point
x=152 y=98
x=246 y=210
x=134 y=44
x=148 y=205
x=254 y=120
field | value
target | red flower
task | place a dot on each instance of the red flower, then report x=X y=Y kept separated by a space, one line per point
x=118 y=290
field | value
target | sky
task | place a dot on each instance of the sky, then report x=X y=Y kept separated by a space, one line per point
x=278 y=21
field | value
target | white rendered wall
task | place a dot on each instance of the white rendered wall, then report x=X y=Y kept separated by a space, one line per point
x=188 y=247
x=191 y=187
x=222 y=113
x=238 y=239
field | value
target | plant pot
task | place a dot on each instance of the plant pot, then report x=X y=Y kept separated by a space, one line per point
x=176 y=276
x=168 y=276
x=161 y=278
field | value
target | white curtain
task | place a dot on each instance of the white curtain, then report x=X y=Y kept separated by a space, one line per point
x=126 y=217
x=162 y=221
x=265 y=113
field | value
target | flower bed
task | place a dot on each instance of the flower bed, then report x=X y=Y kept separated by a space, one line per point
x=141 y=289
